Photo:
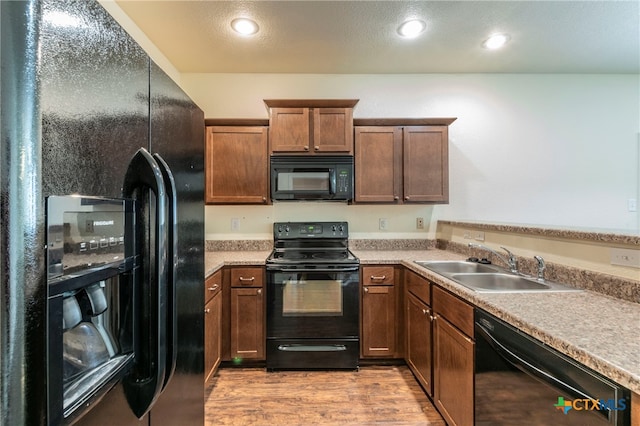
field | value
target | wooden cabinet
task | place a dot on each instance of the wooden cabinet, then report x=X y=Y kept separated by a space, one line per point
x=212 y=324
x=402 y=164
x=311 y=127
x=380 y=301
x=237 y=165
x=419 y=317
x=378 y=164
x=247 y=337
x=453 y=354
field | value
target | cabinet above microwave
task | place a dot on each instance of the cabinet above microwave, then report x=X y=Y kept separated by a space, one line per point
x=311 y=127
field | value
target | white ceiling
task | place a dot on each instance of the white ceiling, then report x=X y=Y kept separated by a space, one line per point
x=360 y=36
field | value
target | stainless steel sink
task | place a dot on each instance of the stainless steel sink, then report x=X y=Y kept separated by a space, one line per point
x=447 y=267
x=490 y=278
x=507 y=283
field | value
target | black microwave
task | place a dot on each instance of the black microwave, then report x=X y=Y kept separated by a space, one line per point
x=312 y=178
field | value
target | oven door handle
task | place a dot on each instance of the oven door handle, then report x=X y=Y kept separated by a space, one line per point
x=530 y=369
x=281 y=269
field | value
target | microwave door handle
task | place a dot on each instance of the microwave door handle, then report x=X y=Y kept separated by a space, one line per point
x=332 y=181
x=143 y=386
x=172 y=268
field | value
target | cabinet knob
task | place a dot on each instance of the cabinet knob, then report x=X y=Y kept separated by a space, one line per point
x=259 y=291
x=306 y=148
x=264 y=199
x=396 y=198
x=317 y=148
x=206 y=311
x=406 y=198
x=366 y=289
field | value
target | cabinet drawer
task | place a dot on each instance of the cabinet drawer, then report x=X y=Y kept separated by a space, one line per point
x=212 y=285
x=420 y=287
x=247 y=277
x=456 y=311
x=377 y=275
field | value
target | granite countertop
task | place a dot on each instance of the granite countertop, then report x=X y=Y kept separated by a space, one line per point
x=599 y=331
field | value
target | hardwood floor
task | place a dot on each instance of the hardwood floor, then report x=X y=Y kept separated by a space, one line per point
x=373 y=395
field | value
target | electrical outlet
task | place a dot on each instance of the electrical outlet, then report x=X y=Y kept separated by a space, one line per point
x=632 y=205
x=467 y=235
x=625 y=257
x=382 y=222
x=420 y=223
x=235 y=224
x=479 y=236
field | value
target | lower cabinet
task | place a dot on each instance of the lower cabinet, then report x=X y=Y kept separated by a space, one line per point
x=247 y=337
x=453 y=356
x=419 y=341
x=212 y=323
x=380 y=328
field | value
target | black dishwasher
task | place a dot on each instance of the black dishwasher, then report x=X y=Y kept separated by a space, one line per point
x=519 y=380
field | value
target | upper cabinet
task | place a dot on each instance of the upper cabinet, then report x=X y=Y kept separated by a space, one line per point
x=237 y=164
x=309 y=127
x=399 y=163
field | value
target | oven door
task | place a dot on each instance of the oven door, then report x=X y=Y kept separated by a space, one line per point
x=312 y=303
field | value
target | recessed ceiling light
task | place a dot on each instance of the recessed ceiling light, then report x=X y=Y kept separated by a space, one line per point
x=496 y=41
x=412 y=28
x=244 y=26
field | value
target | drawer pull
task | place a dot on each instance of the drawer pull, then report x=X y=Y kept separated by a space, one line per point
x=374 y=278
x=243 y=279
x=214 y=288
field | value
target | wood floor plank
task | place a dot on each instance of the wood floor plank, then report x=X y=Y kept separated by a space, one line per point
x=373 y=395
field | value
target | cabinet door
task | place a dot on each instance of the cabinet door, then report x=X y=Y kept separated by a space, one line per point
x=333 y=130
x=237 y=165
x=378 y=321
x=419 y=343
x=453 y=373
x=289 y=130
x=426 y=164
x=247 y=323
x=212 y=285
x=212 y=335
x=378 y=164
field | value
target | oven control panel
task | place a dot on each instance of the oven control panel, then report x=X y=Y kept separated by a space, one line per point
x=284 y=230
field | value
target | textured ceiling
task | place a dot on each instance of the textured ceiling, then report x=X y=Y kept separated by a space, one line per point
x=360 y=36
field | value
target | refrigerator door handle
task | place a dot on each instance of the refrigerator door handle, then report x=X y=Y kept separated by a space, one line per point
x=172 y=320
x=144 y=383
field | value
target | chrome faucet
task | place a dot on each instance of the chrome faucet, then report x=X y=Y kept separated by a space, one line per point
x=511 y=261
x=541 y=267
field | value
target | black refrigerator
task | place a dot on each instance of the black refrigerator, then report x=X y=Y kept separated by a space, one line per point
x=81 y=104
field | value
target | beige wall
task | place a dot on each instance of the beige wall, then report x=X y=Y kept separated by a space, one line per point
x=589 y=255
x=559 y=150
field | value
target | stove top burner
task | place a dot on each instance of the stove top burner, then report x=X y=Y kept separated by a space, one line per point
x=311 y=243
x=329 y=255
x=293 y=255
